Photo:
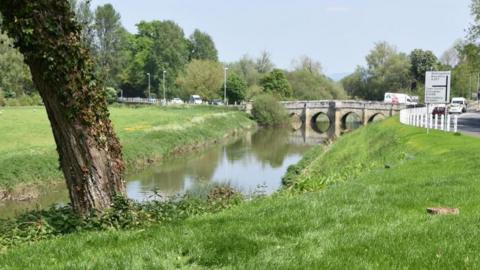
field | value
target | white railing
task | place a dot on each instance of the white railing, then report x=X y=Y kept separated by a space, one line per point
x=139 y=100
x=421 y=117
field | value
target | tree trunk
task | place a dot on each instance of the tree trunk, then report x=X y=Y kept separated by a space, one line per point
x=63 y=72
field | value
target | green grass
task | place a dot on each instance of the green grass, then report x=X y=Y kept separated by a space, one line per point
x=357 y=214
x=27 y=148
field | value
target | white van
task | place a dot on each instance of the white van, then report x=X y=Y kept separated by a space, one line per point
x=398 y=98
x=458 y=105
x=195 y=99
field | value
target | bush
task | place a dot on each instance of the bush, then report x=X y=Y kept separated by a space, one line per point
x=25 y=100
x=111 y=94
x=124 y=214
x=267 y=111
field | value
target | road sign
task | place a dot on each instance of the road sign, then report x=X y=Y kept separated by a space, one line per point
x=437 y=87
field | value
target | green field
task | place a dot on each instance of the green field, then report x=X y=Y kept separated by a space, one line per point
x=361 y=204
x=27 y=148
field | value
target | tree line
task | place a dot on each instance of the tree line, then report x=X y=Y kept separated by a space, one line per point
x=186 y=65
x=180 y=64
x=389 y=70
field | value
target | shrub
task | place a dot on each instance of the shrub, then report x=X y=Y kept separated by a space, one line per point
x=267 y=111
x=124 y=214
x=236 y=88
x=111 y=94
x=25 y=100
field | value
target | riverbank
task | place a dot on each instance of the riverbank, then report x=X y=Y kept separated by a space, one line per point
x=361 y=203
x=148 y=134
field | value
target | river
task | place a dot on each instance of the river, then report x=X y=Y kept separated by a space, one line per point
x=254 y=162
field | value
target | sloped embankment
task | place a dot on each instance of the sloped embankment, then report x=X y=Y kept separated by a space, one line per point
x=360 y=204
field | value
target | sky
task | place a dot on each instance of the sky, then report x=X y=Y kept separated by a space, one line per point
x=337 y=33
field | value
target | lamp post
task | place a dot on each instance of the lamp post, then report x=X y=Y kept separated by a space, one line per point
x=164 y=97
x=225 y=85
x=148 y=74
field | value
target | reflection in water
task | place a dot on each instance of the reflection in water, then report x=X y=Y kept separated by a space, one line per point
x=261 y=158
x=321 y=123
x=54 y=195
x=256 y=159
x=351 y=121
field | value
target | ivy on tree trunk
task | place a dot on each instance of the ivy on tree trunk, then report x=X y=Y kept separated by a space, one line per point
x=63 y=71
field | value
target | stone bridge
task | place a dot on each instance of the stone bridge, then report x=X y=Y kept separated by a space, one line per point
x=307 y=114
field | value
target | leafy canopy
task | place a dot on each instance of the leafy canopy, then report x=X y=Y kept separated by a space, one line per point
x=236 y=88
x=277 y=84
x=201 y=77
x=202 y=46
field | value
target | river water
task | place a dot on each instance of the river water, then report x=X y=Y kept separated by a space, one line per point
x=254 y=162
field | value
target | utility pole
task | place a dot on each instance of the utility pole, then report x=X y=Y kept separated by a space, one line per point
x=164 y=97
x=470 y=87
x=148 y=74
x=225 y=86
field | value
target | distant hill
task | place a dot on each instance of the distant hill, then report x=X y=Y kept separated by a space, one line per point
x=338 y=76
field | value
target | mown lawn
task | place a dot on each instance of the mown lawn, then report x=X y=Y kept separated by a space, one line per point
x=27 y=148
x=360 y=205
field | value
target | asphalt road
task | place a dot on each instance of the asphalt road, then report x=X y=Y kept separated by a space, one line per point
x=469 y=123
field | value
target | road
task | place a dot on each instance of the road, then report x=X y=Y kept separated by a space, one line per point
x=469 y=123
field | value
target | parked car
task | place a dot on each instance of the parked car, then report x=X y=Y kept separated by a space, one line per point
x=216 y=102
x=438 y=110
x=195 y=99
x=458 y=105
x=176 y=101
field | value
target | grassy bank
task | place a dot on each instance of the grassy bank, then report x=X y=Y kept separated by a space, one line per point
x=27 y=148
x=365 y=208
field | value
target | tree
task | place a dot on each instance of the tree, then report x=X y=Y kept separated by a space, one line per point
x=236 y=88
x=85 y=17
x=421 y=62
x=308 y=64
x=159 y=46
x=201 y=77
x=451 y=56
x=474 y=29
x=15 y=78
x=202 y=46
x=309 y=86
x=264 y=63
x=64 y=74
x=355 y=84
x=388 y=71
x=276 y=83
x=465 y=74
x=309 y=83
x=111 y=38
x=246 y=69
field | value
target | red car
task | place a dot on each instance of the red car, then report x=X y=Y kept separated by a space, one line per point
x=438 y=111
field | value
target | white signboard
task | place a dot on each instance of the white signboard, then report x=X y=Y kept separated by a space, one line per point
x=437 y=87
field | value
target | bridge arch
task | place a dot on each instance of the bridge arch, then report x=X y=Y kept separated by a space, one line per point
x=376 y=117
x=350 y=120
x=296 y=121
x=321 y=122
